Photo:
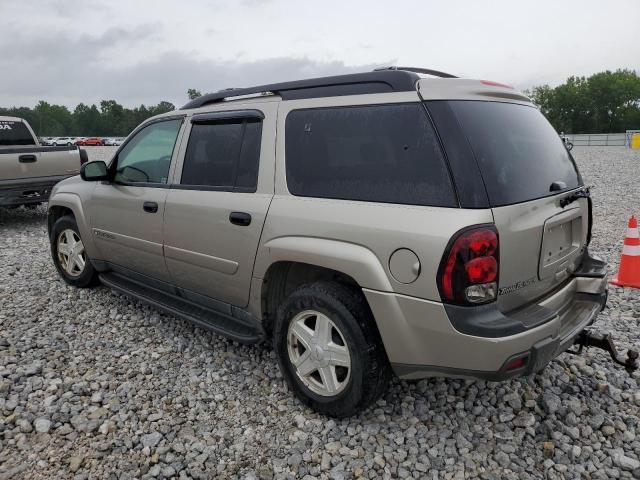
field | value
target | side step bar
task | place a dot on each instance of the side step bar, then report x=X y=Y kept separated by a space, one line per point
x=234 y=328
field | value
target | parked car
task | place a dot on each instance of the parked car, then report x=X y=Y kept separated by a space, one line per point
x=114 y=142
x=46 y=141
x=94 y=141
x=28 y=170
x=367 y=224
x=62 y=141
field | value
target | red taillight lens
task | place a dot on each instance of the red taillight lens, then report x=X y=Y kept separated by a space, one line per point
x=482 y=269
x=469 y=270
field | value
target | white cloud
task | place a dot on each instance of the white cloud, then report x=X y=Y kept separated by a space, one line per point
x=70 y=51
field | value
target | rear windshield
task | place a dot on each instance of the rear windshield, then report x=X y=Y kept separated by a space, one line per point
x=519 y=153
x=14 y=133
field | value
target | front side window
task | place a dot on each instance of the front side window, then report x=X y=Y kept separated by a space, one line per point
x=223 y=154
x=146 y=158
x=15 y=133
x=376 y=153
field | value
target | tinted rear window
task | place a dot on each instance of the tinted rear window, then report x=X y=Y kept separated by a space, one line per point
x=378 y=153
x=519 y=153
x=223 y=154
x=15 y=133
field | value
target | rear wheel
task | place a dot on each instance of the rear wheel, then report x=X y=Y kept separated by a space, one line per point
x=69 y=255
x=329 y=349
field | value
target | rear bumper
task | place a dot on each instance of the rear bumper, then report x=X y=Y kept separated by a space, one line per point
x=27 y=191
x=421 y=341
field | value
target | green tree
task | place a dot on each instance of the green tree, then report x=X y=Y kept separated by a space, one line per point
x=109 y=119
x=605 y=102
x=192 y=93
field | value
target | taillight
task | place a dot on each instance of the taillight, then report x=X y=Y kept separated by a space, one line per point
x=468 y=272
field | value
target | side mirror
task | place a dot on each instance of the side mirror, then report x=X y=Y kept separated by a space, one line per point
x=94 y=171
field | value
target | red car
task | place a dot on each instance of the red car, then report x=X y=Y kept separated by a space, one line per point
x=95 y=141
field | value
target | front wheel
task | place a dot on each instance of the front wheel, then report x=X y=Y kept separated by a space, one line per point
x=69 y=255
x=329 y=349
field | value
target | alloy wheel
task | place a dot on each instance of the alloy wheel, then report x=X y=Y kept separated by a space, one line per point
x=319 y=353
x=71 y=255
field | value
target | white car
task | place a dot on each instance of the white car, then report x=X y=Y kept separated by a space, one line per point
x=62 y=141
x=113 y=141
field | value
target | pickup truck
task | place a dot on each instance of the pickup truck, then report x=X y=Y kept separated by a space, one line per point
x=29 y=170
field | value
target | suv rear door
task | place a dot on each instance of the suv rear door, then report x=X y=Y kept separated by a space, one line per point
x=526 y=171
x=216 y=209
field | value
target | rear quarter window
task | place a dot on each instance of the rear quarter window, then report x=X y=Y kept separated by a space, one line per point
x=376 y=153
x=15 y=133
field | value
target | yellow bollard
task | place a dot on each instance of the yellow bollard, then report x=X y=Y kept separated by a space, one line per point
x=635 y=141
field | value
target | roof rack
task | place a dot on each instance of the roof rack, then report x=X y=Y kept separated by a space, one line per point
x=425 y=71
x=379 y=81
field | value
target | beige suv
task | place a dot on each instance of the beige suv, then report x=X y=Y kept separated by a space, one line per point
x=398 y=221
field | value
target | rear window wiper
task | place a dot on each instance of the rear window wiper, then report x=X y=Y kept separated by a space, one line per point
x=584 y=192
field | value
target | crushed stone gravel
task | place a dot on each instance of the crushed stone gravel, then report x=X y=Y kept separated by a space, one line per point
x=94 y=385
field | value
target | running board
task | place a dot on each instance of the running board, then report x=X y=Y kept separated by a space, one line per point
x=234 y=328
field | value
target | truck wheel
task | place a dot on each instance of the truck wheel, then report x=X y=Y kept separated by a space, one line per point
x=329 y=349
x=69 y=256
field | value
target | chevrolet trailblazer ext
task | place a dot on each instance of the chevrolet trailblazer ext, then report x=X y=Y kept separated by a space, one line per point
x=368 y=224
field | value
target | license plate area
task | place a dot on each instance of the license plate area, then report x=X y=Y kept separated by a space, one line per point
x=561 y=243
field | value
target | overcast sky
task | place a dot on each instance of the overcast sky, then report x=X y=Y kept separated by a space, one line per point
x=71 y=51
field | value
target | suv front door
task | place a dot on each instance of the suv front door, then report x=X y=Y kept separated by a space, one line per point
x=214 y=216
x=126 y=214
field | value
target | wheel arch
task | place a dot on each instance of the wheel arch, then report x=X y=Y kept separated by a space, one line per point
x=70 y=204
x=286 y=262
x=284 y=276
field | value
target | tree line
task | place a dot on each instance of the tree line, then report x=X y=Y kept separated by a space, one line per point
x=606 y=102
x=110 y=119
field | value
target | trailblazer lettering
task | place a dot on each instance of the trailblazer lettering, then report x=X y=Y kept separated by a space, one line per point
x=516 y=286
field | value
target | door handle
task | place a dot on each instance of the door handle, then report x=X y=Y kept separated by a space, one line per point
x=151 y=207
x=27 y=158
x=240 y=218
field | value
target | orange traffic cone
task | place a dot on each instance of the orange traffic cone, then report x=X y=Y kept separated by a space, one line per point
x=629 y=273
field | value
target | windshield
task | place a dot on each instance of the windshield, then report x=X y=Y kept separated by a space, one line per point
x=519 y=153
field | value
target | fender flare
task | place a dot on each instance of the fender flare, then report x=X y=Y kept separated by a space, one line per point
x=354 y=260
x=73 y=202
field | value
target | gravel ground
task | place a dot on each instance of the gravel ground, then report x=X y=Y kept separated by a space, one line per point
x=93 y=385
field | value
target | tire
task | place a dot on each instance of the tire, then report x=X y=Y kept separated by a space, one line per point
x=351 y=326
x=71 y=273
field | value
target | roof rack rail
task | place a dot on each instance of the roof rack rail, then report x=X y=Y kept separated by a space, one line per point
x=381 y=81
x=425 y=71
